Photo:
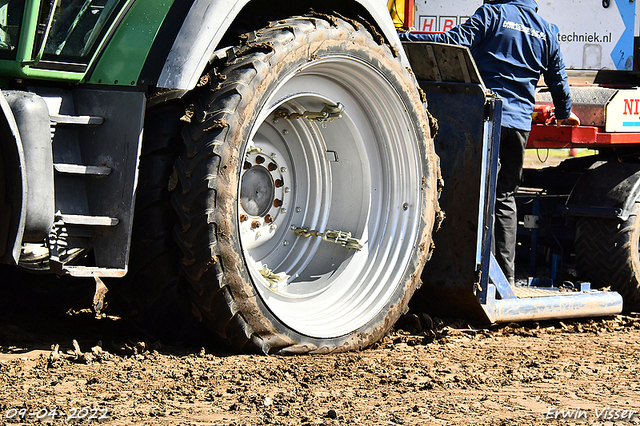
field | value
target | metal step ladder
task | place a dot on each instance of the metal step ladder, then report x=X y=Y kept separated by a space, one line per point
x=96 y=141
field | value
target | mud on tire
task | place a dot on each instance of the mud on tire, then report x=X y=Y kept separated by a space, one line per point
x=253 y=169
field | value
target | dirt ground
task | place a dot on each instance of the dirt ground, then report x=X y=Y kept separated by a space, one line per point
x=59 y=364
x=560 y=372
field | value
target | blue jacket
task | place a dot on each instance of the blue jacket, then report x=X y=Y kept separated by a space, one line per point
x=512 y=46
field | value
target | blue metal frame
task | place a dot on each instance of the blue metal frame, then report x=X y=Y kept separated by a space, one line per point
x=491 y=144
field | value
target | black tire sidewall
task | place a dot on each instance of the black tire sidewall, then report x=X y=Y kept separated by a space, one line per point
x=611 y=258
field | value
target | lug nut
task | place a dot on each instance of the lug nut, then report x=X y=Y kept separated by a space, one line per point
x=268 y=219
x=260 y=159
x=277 y=202
x=272 y=166
x=243 y=217
x=255 y=224
x=247 y=165
x=279 y=183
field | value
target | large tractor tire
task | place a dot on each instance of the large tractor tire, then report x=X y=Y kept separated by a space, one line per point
x=263 y=173
x=149 y=295
x=608 y=254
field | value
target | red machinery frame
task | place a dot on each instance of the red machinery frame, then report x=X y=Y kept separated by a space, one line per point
x=551 y=136
x=546 y=134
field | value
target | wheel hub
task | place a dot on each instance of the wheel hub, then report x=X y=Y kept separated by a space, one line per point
x=256 y=192
x=262 y=190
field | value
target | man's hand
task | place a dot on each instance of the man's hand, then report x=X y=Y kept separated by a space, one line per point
x=573 y=120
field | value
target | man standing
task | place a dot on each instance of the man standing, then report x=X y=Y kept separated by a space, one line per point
x=512 y=46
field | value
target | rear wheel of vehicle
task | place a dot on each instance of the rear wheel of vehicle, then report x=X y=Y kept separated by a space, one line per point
x=308 y=127
x=608 y=253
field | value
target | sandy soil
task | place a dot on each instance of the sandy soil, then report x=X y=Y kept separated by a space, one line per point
x=570 y=372
x=59 y=364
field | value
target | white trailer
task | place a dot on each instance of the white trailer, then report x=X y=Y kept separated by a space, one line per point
x=593 y=34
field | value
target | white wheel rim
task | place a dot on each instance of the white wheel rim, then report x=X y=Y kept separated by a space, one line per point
x=358 y=174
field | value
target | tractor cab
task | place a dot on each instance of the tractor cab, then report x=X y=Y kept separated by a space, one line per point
x=50 y=39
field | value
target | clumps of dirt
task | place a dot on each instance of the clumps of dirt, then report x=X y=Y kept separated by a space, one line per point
x=56 y=358
x=428 y=370
x=137 y=350
x=580 y=325
x=421 y=329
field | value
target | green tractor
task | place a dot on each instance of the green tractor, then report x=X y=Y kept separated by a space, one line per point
x=271 y=163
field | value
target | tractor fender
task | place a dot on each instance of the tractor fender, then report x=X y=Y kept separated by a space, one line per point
x=27 y=171
x=207 y=22
x=607 y=190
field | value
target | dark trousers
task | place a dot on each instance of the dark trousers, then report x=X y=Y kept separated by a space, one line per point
x=512 y=145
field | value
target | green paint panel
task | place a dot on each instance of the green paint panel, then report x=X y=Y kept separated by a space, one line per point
x=125 y=55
